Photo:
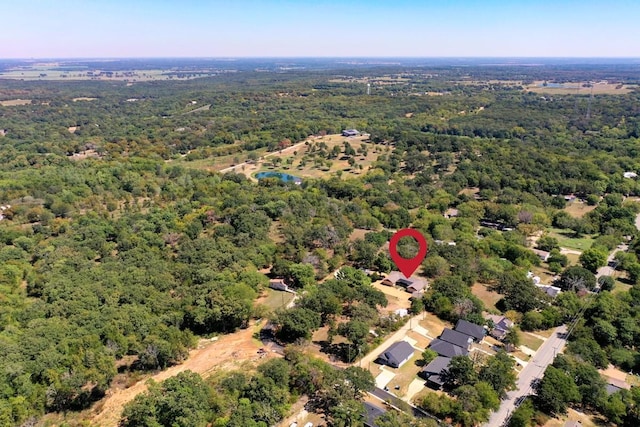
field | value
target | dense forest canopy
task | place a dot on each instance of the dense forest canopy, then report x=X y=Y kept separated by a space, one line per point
x=117 y=243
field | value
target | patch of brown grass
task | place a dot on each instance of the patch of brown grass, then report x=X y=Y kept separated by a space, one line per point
x=489 y=298
x=578 y=209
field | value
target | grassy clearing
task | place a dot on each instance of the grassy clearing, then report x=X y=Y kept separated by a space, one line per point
x=14 y=102
x=276 y=299
x=530 y=341
x=578 y=209
x=566 y=239
x=305 y=161
x=620 y=287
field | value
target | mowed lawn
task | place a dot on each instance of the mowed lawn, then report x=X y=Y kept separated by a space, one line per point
x=530 y=341
x=566 y=239
x=404 y=375
x=275 y=299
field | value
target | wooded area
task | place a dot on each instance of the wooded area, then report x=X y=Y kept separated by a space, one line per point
x=119 y=250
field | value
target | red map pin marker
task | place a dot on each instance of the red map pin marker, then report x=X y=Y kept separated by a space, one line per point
x=408 y=266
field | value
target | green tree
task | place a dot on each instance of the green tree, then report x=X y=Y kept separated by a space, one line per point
x=593 y=258
x=296 y=323
x=556 y=391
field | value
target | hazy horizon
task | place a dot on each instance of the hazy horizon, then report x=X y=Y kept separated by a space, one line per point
x=75 y=29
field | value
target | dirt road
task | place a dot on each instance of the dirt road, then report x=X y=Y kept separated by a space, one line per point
x=227 y=352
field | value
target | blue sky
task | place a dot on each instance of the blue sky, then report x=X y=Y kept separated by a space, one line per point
x=234 y=28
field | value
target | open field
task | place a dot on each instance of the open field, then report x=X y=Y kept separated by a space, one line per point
x=578 y=209
x=600 y=88
x=303 y=159
x=52 y=73
x=306 y=161
x=14 y=102
x=566 y=240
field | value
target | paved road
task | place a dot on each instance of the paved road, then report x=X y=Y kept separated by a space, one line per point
x=545 y=355
x=534 y=370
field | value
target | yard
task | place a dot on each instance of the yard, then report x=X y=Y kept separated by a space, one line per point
x=530 y=341
x=433 y=325
x=404 y=376
x=489 y=298
x=566 y=239
x=275 y=299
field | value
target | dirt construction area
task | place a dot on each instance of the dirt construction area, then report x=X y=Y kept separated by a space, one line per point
x=227 y=352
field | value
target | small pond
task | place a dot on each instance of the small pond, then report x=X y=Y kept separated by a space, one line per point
x=280 y=175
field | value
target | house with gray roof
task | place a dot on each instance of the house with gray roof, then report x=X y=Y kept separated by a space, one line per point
x=446 y=349
x=476 y=331
x=434 y=371
x=396 y=355
x=457 y=338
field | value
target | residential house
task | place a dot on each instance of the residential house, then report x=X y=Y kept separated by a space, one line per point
x=350 y=132
x=417 y=286
x=434 y=371
x=451 y=213
x=278 y=284
x=446 y=349
x=476 y=331
x=552 y=291
x=614 y=385
x=501 y=325
x=457 y=338
x=543 y=255
x=396 y=355
x=411 y=284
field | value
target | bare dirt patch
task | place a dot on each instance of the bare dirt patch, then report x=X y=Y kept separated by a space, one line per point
x=573 y=415
x=398 y=298
x=83 y=98
x=228 y=352
x=14 y=102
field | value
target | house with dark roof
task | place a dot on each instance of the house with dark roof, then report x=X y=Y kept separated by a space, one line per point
x=434 y=371
x=446 y=349
x=457 y=338
x=350 y=132
x=396 y=355
x=476 y=331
